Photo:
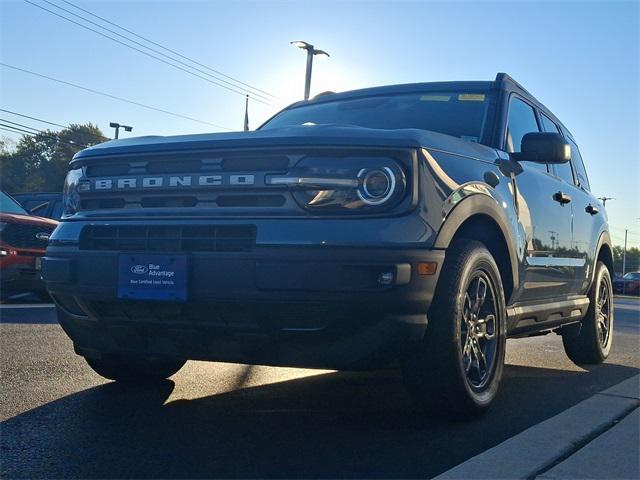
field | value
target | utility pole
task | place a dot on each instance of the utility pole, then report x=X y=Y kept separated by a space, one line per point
x=624 y=253
x=311 y=52
x=604 y=200
x=117 y=126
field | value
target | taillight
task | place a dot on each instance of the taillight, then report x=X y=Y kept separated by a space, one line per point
x=348 y=185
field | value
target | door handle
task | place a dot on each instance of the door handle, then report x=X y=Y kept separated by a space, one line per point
x=561 y=198
x=591 y=209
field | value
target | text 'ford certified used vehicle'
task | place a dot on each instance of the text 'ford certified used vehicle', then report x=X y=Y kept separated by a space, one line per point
x=415 y=225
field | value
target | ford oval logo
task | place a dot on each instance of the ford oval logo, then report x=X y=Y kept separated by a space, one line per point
x=139 y=269
x=43 y=236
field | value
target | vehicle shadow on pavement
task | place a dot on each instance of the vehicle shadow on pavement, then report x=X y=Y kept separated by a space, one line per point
x=341 y=424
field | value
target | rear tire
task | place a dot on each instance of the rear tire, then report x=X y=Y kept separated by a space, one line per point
x=591 y=343
x=458 y=366
x=135 y=369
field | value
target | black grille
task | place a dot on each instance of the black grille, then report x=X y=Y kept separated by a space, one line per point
x=188 y=164
x=24 y=236
x=177 y=238
x=266 y=316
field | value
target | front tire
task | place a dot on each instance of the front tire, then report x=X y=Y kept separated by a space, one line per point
x=458 y=366
x=591 y=344
x=134 y=369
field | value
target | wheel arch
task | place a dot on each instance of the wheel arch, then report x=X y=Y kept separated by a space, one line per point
x=604 y=254
x=480 y=217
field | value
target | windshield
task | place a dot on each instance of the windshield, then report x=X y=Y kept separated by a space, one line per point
x=9 y=205
x=459 y=114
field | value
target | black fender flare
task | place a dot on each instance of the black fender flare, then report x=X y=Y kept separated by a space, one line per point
x=474 y=205
x=603 y=239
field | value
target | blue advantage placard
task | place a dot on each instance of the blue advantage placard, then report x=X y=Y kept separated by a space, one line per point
x=152 y=277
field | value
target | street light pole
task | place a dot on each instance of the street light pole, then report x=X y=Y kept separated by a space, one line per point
x=307 y=76
x=311 y=52
x=117 y=126
x=604 y=200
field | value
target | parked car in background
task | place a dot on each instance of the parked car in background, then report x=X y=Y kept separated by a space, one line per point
x=628 y=284
x=43 y=204
x=23 y=239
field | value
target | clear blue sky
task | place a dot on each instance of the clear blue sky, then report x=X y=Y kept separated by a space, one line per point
x=581 y=59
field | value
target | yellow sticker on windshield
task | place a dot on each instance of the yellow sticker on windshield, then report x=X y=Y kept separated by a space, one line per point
x=435 y=98
x=471 y=97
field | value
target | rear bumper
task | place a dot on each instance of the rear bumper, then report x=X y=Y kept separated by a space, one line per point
x=295 y=306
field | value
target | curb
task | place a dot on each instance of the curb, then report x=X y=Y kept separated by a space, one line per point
x=544 y=445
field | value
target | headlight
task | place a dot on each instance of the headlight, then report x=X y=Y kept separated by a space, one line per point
x=70 y=195
x=349 y=185
x=377 y=185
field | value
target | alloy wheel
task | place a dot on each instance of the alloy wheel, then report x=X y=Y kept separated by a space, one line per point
x=603 y=312
x=479 y=330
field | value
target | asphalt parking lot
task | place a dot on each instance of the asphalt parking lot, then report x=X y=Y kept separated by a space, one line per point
x=59 y=419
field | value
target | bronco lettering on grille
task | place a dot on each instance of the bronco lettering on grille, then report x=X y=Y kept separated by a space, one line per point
x=188 y=181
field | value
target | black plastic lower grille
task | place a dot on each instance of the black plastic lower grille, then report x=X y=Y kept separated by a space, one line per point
x=266 y=316
x=175 y=238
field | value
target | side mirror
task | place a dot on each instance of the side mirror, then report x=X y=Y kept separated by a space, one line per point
x=541 y=147
x=39 y=208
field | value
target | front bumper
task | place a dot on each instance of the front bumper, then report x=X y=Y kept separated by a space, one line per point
x=296 y=306
x=21 y=273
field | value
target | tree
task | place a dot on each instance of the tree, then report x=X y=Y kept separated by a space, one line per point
x=633 y=259
x=39 y=163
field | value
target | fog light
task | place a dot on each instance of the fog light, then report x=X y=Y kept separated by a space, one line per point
x=385 y=279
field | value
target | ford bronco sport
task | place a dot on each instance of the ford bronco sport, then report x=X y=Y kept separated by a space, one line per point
x=415 y=225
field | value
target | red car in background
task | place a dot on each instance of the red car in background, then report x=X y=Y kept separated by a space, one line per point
x=629 y=284
x=23 y=240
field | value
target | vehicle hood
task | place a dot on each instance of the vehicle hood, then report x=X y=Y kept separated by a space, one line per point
x=27 y=220
x=294 y=136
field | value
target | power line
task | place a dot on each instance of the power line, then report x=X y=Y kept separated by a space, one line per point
x=143 y=52
x=168 y=49
x=153 y=50
x=33 y=118
x=35 y=131
x=14 y=131
x=114 y=97
x=621 y=229
x=20 y=125
x=40 y=133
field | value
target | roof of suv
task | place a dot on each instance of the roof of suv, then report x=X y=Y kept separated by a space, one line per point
x=502 y=81
x=400 y=88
